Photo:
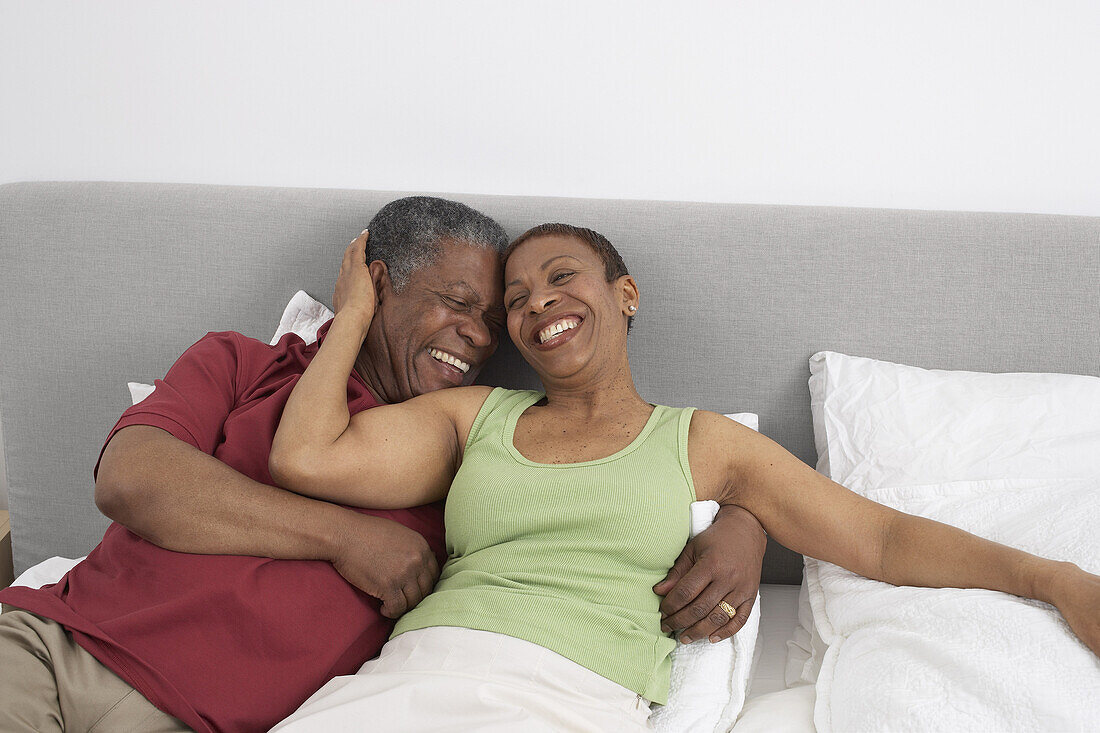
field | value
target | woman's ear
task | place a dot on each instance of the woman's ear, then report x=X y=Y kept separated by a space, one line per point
x=628 y=291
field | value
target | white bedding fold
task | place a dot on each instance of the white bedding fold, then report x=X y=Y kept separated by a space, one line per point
x=903 y=658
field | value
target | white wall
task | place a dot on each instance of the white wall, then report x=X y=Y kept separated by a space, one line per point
x=980 y=105
x=956 y=105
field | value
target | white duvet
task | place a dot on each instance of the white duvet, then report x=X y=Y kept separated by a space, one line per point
x=903 y=658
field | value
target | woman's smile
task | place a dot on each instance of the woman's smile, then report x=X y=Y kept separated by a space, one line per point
x=556 y=331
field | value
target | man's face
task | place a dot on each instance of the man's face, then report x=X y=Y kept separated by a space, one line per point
x=439 y=330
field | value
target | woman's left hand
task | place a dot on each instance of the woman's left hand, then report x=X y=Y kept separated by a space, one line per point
x=721 y=564
x=355 y=291
x=1076 y=593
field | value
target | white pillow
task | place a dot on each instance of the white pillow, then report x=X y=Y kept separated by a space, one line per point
x=883 y=424
x=805 y=649
x=139 y=391
x=957 y=660
x=868 y=417
x=710 y=681
x=303 y=316
x=46 y=572
x=999 y=455
x=782 y=711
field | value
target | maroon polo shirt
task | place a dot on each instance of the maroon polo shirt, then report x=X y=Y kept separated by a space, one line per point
x=224 y=643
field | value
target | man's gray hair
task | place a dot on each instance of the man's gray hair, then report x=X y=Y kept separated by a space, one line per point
x=406 y=234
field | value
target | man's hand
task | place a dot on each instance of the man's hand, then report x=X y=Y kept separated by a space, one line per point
x=721 y=564
x=386 y=560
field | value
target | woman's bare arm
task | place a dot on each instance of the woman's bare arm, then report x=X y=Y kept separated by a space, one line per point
x=817 y=517
x=386 y=457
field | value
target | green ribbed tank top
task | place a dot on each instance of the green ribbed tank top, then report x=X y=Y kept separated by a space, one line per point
x=566 y=555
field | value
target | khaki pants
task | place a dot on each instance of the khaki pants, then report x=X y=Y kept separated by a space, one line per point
x=49 y=683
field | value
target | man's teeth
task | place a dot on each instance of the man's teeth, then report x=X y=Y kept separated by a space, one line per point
x=555 y=328
x=446 y=358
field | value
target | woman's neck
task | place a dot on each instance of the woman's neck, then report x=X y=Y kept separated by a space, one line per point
x=588 y=399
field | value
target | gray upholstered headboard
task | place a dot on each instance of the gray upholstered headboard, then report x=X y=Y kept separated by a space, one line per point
x=105 y=283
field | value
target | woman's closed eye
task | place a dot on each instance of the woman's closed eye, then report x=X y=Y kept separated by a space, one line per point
x=560 y=277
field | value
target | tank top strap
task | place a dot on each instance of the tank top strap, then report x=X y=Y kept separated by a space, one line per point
x=683 y=428
x=493 y=415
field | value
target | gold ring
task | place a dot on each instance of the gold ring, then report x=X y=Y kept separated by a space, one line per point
x=730 y=610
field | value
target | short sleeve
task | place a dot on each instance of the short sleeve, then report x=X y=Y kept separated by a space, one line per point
x=194 y=399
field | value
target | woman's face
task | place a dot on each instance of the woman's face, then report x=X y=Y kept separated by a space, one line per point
x=563 y=315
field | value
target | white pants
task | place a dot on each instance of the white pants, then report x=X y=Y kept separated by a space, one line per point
x=453 y=679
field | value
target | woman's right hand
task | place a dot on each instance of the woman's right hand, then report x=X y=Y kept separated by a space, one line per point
x=355 y=293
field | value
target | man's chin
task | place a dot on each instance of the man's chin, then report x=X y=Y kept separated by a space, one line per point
x=435 y=379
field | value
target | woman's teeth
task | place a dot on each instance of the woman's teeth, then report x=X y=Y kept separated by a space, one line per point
x=555 y=328
x=446 y=358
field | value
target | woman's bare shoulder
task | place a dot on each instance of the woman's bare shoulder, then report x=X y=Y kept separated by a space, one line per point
x=707 y=426
x=467 y=400
x=457 y=405
x=718 y=448
x=453 y=401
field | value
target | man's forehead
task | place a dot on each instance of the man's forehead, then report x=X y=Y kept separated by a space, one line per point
x=467 y=269
x=462 y=286
x=457 y=250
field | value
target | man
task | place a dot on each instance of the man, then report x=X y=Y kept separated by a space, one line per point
x=218 y=602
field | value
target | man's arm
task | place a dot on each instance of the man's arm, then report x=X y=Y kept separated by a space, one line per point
x=721 y=564
x=183 y=499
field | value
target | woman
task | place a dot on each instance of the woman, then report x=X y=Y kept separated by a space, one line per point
x=566 y=508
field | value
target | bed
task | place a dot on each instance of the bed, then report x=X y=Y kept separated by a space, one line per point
x=107 y=283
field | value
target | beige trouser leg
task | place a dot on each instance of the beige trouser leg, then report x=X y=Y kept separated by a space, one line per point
x=49 y=683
